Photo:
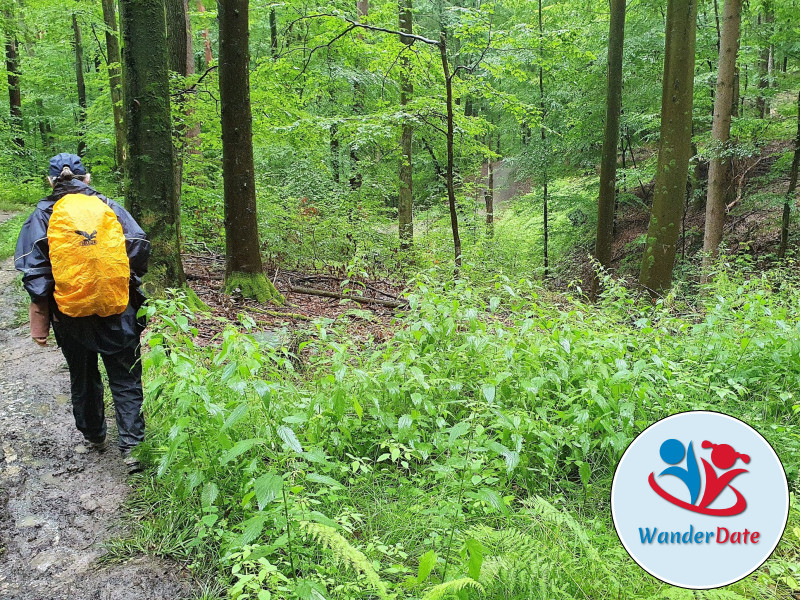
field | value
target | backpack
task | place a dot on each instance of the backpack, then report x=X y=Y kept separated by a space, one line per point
x=89 y=257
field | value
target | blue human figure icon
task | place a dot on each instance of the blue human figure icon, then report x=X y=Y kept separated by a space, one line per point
x=672 y=453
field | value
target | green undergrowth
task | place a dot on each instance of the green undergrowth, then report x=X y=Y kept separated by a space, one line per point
x=470 y=456
x=9 y=231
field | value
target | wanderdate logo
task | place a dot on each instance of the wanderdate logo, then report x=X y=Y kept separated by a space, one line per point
x=723 y=457
x=700 y=500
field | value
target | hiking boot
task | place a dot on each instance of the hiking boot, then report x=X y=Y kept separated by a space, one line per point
x=132 y=463
x=98 y=444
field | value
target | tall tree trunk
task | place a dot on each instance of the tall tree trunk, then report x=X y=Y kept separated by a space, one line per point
x=488 y=195
x=405 y=205
x=179 y=38
x=244 y=270
x=12 y=68
x=181 y=61
x=608 y=163
x=720 y=167
x=150 y=168
x=545 y=198
x=44 y=126
x=334 y=145
x=115 y=79
x=356 y=179
x=790 y=193
x=451 y=193
x=674 y=147
x=765 y=60
x=273 y=33
x=209 y=56
x=78 y=45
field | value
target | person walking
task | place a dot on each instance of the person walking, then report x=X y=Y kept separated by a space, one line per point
x=82 y=257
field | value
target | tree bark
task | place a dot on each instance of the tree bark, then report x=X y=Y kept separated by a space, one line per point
x=674 y=147
x=209 y=56
x=451 y=193
x=765 y=59
x=608 y=163
x=791 y=191
x=545 y=199
x=488 y=196
x=150 y=168
x=179 y=37
x=78 y=46
x=720 y=166
x=12 y=68
x=405 y=205
x=180 y=51
x=44 y=126
x=243 y=267
x=115 y=80
x=273 y=33
x=334 y=145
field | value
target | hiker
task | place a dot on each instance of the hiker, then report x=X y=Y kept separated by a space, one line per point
x=82 y=257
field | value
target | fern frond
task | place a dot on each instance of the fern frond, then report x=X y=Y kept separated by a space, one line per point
x=345 y=552
x=448 y=588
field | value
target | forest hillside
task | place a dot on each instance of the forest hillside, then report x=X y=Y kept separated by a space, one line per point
x=421 y=271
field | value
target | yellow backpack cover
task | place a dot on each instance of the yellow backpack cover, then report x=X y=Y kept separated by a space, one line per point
x=88 y=256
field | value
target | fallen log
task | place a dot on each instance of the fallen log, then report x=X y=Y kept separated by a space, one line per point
x=359 y=299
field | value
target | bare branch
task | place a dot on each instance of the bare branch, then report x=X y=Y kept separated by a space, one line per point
x=193 y=88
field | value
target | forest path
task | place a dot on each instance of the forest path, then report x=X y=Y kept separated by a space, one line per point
x=58 y=501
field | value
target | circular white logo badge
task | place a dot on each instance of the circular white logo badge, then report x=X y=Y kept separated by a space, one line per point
x=700 y=500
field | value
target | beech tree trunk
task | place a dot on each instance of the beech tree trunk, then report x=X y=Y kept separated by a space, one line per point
x=12 y=68
x=545 y=199
x=451 y=193
x=765 y=60
x=209 y=56
x=608 y=163
x=150 y=168
x=720 y=167
x=791 y=192
x=488 y=196
x=78 y=45
x=179 y=37
x=405 y=205
x=674 y=147
x=115 y=79
x=180 y=51
x=273 y=33
x=244 y=271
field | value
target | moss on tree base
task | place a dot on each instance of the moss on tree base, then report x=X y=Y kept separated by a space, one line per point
x=253 y=285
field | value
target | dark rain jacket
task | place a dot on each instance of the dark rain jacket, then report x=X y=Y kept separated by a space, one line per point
x=32 y=257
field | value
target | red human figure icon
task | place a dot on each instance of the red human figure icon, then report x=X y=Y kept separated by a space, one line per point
x=724 y=457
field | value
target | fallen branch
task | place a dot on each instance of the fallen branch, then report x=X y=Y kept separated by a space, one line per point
x=359 y=299
x=275 y=313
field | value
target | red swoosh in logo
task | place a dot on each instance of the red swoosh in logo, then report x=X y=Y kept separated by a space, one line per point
x=736 y=509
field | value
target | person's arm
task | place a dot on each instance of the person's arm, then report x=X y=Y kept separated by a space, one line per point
x=39 y=315
x=32 y=258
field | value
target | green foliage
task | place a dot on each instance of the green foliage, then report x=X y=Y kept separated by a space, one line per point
x=9 y=232
x=476 y=445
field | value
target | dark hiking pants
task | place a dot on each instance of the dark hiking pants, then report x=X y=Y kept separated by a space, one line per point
x=125 y=380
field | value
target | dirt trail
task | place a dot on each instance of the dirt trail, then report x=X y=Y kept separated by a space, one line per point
x=58 y=501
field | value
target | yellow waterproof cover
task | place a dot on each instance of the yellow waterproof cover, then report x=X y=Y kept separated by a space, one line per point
x=89 y=259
